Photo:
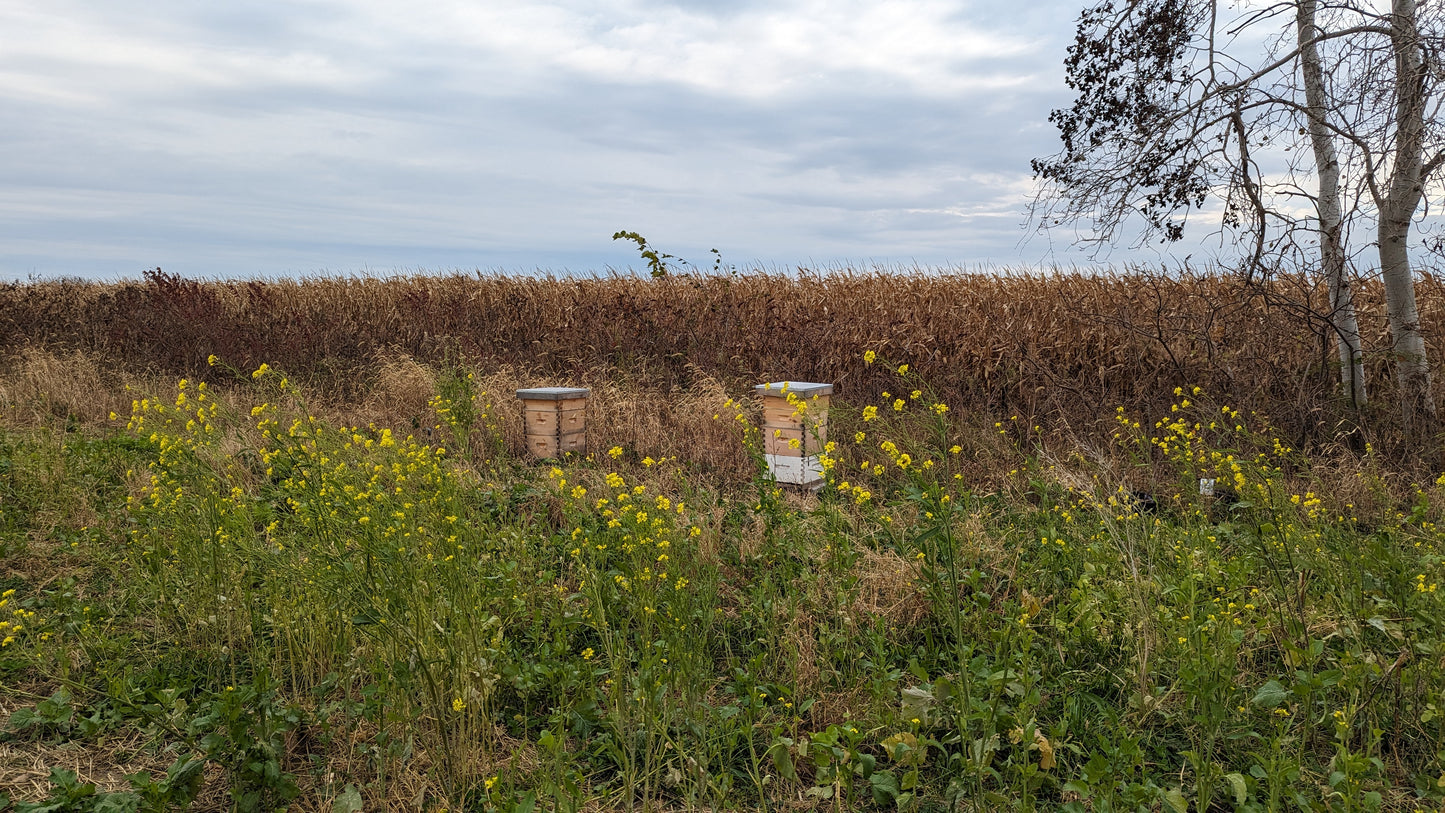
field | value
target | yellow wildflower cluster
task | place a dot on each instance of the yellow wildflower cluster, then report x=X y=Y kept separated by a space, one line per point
x=626 y=549
x=15 y=622
x=187 y=423
x=751 y=433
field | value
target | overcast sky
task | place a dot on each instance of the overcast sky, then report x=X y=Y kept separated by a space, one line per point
x=359 y=136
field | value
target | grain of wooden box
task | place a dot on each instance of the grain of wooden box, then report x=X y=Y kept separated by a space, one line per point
x=795 y=428
x=556 y=420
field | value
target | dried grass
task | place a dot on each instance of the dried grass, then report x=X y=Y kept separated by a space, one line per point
x=39 y=385
x=890 y=588
x=691 y=425
x=1060 y=350
x=401 y=392
x=25 y=766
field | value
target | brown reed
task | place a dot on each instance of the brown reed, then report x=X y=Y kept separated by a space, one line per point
x=1058 y=349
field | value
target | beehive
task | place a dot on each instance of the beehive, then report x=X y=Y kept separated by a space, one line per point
x=795 y=429
x=556 y=420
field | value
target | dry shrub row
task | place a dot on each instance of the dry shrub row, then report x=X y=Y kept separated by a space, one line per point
x=1061 y=349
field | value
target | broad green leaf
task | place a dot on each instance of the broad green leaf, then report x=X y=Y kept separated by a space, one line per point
x=1236 y=784
x=1270 y=695
x=885 y=788
x=125 y=802
x=783 y=761
x=349 y=801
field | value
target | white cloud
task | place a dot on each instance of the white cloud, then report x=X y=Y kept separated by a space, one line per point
x=250 y=138
x=70 y=53
x=757 y=52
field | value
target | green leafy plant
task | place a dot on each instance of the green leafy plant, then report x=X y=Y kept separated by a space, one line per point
x=51 y=717
x=657 y=261
x=244 y=730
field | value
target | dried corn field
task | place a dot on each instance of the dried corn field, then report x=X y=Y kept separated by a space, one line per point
x=1062 y=350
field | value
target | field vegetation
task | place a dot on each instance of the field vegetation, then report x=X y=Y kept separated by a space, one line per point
x=1062 y=350
x=292 y=553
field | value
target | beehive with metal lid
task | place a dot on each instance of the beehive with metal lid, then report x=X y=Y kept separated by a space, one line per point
x=555 y=419
x=795 y=429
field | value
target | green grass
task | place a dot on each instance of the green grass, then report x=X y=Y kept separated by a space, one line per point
x=330 y=614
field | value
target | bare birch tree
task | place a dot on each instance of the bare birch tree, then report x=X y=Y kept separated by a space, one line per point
x=1396 y=181
x=1327 y=202
x=1179 y=108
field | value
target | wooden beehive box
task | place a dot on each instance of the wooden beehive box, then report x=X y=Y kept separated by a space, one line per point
x=556 y=420
x=795 y=429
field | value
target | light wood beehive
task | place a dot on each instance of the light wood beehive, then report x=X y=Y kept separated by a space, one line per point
x=795 y=429
x=556 y=420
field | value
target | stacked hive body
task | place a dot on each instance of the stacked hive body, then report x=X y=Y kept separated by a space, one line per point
x=556 y=420
x=795 y=428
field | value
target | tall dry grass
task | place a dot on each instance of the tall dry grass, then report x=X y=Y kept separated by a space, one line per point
x=38 y=386
x=1059 y=349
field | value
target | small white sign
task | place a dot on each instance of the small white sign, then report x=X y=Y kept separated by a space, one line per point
x=1206 y=486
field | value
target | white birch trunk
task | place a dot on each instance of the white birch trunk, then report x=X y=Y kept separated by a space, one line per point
x=1398 y=208
x=1342 y=317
